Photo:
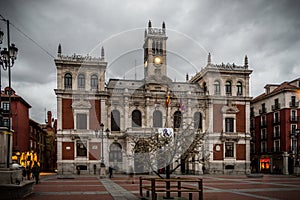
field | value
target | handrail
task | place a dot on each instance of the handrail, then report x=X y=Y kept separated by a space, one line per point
x=179 y=188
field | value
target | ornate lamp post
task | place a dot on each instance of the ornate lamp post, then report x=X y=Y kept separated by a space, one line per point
x=102 y=153
x=102 y=163
x=7 y=58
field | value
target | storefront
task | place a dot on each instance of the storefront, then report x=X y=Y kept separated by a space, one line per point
x=265 y=164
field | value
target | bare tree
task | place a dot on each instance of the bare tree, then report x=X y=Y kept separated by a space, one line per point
x=159 y=151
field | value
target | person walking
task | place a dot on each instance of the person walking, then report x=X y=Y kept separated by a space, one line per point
x=110 y=170
x=131 y=173
x=28 y=172
x=36 y=172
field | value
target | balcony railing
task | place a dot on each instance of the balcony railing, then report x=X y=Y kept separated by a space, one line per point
x=276 y=121
x=295 y=118
x=294 y=104
x=262 y=110
x=276 y=107
x=263 y=137
x=275 y=149
x=263 y=124
x=276 y=135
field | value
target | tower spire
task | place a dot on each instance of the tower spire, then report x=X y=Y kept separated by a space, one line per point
x=163 y=25
x=102 y=53
x=246 y=61
x=59 y=50
x=209 y=59
x=149 y=24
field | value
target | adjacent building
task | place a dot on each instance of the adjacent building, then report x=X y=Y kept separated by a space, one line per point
x=274 y=127
x=29 y=138
x=96 y=120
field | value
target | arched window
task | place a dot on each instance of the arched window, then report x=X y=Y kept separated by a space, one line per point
x=217 y=90
x=177 y=119
x=136 y=118
x=157 y=119
x=115 y=120
x=94 y=81
x=239 y=88
x=197 y=120
x=81 y=81
x=228 y=88
x=68 y=81
x=115 y=153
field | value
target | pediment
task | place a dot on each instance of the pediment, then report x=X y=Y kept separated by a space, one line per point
x=230 y=109
x=81 y=104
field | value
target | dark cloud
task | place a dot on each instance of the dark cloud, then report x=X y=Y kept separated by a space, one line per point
x=267 y=31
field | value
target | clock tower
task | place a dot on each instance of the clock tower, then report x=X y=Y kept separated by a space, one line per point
x=155 y=61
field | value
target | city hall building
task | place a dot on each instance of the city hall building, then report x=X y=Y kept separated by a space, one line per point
x=97 y=120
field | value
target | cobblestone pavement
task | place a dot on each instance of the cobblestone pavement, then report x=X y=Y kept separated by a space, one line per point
x=270 y=187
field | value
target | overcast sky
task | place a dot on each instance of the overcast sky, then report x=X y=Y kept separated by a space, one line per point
x=268 y=32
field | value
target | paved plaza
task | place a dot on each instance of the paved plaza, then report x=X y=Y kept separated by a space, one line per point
x=269 y=187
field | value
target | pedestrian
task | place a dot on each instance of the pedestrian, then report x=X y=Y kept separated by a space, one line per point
x=36 y=172
x=23 y=173
x=110 y=170
x=131 y=173
x=28 y=172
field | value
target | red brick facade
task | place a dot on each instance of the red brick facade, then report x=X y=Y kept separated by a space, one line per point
x=68 y=150
x=218 y=154
x=240 y=152
x=94 y=150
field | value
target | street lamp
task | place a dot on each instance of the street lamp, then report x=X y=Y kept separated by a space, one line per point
x=7 y=59
x=102 y=154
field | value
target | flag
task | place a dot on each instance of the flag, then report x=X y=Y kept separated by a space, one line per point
x=168 y=101
x=182 y=108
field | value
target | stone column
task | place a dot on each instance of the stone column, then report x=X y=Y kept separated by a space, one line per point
x=285 y=163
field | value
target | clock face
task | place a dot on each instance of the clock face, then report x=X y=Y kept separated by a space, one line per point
x=157 y=60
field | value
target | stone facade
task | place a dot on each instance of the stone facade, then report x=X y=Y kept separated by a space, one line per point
x=214 y=103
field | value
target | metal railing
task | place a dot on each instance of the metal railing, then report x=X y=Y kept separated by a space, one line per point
x=155 y=185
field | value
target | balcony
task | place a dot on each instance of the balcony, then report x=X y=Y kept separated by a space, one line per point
x=263 y=124
x=275 y=149
x=276 y=135
x=294 y=119
x=262 y=111
x=276 y=121
x=294 y=104
x=263 y=137
x=276 y=107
